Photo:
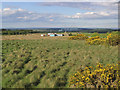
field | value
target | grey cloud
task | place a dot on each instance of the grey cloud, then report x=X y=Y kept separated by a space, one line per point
x=83 y=5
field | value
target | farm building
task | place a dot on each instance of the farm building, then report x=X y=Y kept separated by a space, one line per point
x=60 y=34
x=49 y=33
x=43 y=35
x=52 y=35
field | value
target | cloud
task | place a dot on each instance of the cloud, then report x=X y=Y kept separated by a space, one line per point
x=100 y=14
x=51 y=20
x=106 y=6
x=16 y=15
x=21 y=15
x=9 y=11
x=0 y=11
x=94 y=10
x=94 y=15
x=60 y=0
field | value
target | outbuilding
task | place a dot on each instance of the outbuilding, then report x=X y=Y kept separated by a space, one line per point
x=60 y=34
x=52 y=35
x=43 y=35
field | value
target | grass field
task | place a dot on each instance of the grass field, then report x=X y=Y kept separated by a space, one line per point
x=48 y=62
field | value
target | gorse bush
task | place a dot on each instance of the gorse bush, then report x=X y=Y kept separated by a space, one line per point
x=100 y=77
x=78 y=37
x=95 y=40
x=112 y=39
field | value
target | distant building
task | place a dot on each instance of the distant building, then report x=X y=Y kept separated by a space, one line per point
x=60 y=34
x=43 y=35
x=52 y=35
x=49 y=33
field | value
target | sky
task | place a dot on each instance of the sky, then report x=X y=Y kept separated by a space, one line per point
x=59 y=14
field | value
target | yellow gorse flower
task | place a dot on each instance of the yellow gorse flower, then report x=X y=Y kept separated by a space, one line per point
x=111 y=39
x=107 y=75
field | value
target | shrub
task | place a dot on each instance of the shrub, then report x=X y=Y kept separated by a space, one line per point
x=100 y=77
x=78 y=37
x=95 y=40
x=112 y=39
x=70 y=34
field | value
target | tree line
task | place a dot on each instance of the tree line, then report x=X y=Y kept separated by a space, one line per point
x=24 y=32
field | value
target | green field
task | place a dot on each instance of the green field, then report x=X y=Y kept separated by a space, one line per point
x=49 y=62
